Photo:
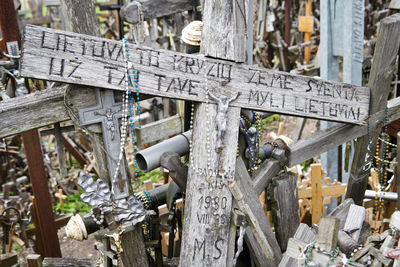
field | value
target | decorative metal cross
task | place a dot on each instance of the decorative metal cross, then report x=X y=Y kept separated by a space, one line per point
x=107 y=111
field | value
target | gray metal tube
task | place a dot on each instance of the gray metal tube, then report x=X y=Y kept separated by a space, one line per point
x=150 y=158
x=392 y=196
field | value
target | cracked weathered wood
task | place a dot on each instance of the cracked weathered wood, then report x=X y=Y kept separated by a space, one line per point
x=255 y=249
x=226 y=37
x=354 y=221
x=264 y=175
x=382 y=70
x=328 y=233
x=81 y=59
x=248 y=202
x=158 y=130
x=32 y=111
x=336 y=135
x=208 y=235
x=286 y=216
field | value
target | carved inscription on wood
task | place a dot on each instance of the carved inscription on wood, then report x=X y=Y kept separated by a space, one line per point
x=74 y=58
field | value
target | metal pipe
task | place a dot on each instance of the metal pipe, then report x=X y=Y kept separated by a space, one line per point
x=391 y=196
x=150 y=158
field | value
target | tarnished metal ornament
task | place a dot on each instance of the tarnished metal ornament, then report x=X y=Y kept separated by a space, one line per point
x=97 y=194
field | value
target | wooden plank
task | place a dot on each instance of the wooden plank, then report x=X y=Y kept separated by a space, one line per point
x=328 y=233
x=255 y=249
x=37 y=175
x=8 y=259
x=354 y=221
x=158 y=130
x=386 y=50
x=69 y=57
x=153 y=9
x=287 y=213
x=295 y=248
x=32 y=111
x=60 y=152
x=336 y=135
x=222 y=41
x=8 y=25
x=61 y=262
x=335 y=190
x=248 y=203
x=264 y=175
x=305 y=233
x=70 y=146
x=316 y=195
x=34 y=260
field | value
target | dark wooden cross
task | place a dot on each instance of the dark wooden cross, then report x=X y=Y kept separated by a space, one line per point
x=98 y=62
x=107 y=112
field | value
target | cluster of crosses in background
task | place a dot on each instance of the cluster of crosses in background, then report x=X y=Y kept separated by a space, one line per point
x=86 y=60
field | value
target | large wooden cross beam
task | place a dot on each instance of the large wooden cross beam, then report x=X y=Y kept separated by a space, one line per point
x=81 y=59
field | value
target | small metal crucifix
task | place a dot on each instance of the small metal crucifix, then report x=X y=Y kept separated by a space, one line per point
x=223 y=105
x=107 y=112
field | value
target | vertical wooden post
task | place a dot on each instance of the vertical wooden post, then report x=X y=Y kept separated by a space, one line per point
x=208 y=235
x=33 y=150
x=307 y=35
x=60 y=150
x=8 y=24
x=316 y=187
x=287 y=213
x=288 y=22
x=40 y=189
x=386 y=49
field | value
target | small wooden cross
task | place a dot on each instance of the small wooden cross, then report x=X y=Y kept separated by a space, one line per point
x=61 y=197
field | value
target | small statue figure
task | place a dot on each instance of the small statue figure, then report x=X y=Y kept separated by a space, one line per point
x=223 y=105
x=252 y=143
x=110 y=123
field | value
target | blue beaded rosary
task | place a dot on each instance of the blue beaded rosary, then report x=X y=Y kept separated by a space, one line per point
x=134 y=108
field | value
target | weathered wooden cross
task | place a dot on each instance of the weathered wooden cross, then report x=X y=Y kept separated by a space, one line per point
x=80 y=59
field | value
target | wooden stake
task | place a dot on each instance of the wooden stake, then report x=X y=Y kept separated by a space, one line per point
x=386 y=49
x=307 y=35
x=316 y=200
